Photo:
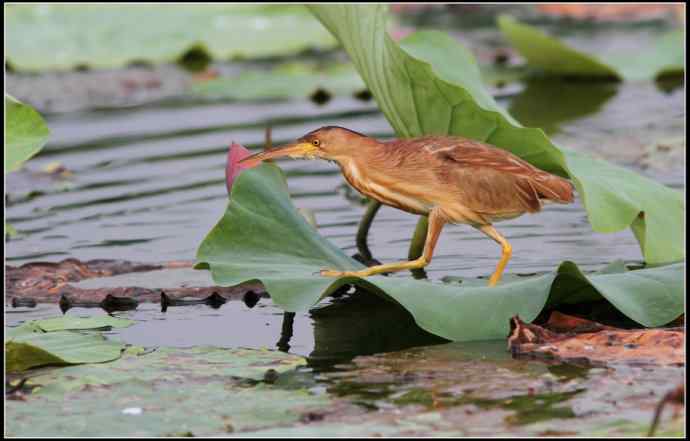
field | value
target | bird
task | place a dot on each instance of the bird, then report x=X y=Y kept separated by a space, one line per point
x=449 y=179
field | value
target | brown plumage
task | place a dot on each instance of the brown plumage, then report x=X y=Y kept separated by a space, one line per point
x=489 y=183
x=448 y=178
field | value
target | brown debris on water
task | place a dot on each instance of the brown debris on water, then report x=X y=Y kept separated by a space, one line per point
x=39 y=280
x=579 y=341
x=47 y=282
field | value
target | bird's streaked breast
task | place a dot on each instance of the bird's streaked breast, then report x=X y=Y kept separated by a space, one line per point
x=385 y=194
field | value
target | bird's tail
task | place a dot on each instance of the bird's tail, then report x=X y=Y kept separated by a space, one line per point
x=553 y=188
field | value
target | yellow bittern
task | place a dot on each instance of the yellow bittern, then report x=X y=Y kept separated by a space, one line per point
x=447 y=178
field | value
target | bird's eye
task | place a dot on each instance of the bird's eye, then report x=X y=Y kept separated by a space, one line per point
x=316 y=142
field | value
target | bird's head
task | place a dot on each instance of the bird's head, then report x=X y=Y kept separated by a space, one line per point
x=330 y=142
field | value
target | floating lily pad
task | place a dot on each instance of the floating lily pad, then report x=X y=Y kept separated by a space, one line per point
x=49 y=342
x=72 y=323
x=33 y=349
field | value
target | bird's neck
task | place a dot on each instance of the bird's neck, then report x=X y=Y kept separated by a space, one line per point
x=353 y=166
x=352 y=171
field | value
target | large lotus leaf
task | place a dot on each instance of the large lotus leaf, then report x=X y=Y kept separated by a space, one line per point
x=33 y=349
x=167 y=391
x=429 y=84
x=52 y=36
x=25 y=133
x=663 y=56
x=262 y=236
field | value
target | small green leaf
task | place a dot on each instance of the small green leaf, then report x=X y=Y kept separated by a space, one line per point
x=25 y=133
x=33 y=349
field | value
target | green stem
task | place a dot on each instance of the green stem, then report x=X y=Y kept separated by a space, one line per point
x=418 y=239
x=363 y=229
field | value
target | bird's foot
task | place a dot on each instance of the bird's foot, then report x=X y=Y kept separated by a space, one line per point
x=334 y=273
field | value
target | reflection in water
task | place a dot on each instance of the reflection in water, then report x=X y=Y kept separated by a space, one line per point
x=109 y=304
x=547 y=103
x=362 y=324
x=670 y=83
x=351 y=325
x=215 y=301
x=286 y=331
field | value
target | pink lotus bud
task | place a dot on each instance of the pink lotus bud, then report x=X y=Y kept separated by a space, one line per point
x=236 y=153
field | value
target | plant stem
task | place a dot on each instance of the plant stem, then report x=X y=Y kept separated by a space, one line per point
x=418 y=239
x=363 y=229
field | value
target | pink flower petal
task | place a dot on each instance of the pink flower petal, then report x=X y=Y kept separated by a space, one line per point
x=236 y=153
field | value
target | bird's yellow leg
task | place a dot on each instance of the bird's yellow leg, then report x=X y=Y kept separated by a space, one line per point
x=507 y=251
x=436 y=222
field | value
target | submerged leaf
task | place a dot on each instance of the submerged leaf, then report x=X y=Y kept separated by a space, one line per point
x=262 y=236
x=201 y=390
x=429 y=84
x=25 y=133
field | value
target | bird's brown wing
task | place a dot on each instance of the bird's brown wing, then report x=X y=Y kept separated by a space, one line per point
x=492 y=181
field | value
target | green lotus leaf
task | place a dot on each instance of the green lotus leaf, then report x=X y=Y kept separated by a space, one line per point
x=263 y=237
x=25 y=133
x=430 y=84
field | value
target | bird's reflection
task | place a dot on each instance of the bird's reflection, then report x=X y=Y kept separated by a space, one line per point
x=355 y=324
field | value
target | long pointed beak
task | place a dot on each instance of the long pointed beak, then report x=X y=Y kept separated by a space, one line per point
x=294 y=150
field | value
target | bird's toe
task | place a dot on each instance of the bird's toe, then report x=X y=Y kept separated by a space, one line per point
x=331 y=273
